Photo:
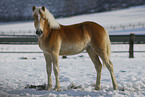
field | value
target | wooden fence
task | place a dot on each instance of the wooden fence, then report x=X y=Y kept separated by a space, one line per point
x=32 y=39
x=126 y=26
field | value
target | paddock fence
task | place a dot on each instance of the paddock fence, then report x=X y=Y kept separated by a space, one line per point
x=115 y=39
x=32 y=39
x=126 y=26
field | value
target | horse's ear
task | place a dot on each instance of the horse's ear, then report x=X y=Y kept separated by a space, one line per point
x=43 y=8
x=33 y=8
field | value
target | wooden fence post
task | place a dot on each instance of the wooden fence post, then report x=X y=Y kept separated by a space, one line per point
x=131 y=43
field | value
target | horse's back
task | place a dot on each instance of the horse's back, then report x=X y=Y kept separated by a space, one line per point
x=77 y=37
x=81 y=30
x=94 y=28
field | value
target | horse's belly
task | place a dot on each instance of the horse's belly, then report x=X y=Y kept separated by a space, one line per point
x=72 y=49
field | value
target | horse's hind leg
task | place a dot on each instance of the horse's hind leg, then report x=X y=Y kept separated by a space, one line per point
x=98 y=66
x=109 y=66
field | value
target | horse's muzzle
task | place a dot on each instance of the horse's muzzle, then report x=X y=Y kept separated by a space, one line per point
x=39 y=32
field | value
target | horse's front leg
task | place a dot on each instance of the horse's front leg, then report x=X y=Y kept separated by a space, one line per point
x=55 y=57
x=49 y=70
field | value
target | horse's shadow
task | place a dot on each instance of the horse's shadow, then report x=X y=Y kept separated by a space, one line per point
x=44 y=87
x=37 y=87
x=41 y=90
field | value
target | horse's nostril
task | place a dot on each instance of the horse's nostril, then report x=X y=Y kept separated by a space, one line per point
x=39 y=32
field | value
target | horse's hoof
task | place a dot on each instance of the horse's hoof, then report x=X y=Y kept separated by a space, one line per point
x=115 y=88
x=97 y=88
x=57 y=89
x=49 y=88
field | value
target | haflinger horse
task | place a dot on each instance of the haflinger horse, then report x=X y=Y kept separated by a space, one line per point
x=56 y=39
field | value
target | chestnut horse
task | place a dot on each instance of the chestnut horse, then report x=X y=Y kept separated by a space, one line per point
x=56 y=39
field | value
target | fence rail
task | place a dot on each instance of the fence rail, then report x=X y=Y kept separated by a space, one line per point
x=84 y=52
x=32 y=39
x=126 y=26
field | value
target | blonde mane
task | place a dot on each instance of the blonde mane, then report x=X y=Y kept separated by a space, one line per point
x=51 y=20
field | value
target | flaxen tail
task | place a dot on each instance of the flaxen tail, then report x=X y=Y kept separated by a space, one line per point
x=108 y=47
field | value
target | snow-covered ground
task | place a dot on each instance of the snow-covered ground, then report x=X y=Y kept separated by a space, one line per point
x=128 y=16
x=19 y=69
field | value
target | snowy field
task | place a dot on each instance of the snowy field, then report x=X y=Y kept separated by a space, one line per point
x=128 y=16
x=19 y=69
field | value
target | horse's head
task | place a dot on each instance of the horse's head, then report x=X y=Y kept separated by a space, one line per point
x=39 y=18
x=40 y=15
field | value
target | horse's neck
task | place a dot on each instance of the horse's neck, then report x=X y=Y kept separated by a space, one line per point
x=46 y=29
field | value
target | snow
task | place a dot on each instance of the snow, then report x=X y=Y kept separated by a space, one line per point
x=128 y=16
x=17 y=70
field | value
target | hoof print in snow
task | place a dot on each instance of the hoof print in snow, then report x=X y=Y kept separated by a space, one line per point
x=122 y=89
x=122 y=71
x=81 y=56
x=34 y=58
x=37 y=87
x=73 y=86
x=24 y=58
